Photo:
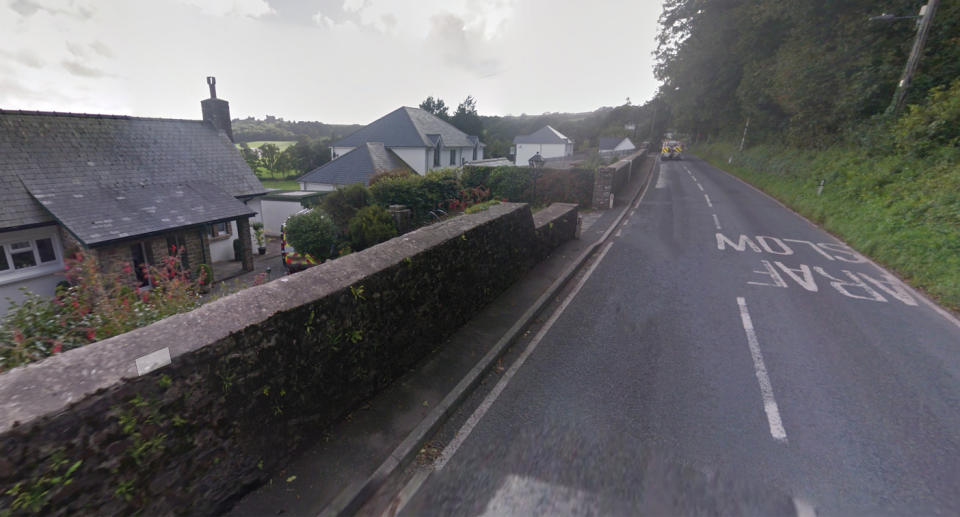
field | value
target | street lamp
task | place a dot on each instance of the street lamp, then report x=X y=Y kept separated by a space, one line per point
x=923 y=30
x=536 y=165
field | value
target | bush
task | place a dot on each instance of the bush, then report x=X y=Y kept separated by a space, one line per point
x=313 y=233
x=480 y=207
x=475 y=176
x=396 y=173
x=343 y=203
x=371 y=225
x=931 y=125
x=96 y=305
x=511 y=183
x=420 y=193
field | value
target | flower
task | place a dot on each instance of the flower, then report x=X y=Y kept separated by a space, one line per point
x=56 y=349
x=91 y=335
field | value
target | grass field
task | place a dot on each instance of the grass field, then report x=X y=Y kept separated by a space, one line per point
x=901 y=211
x=281 y=184
x=282 y=144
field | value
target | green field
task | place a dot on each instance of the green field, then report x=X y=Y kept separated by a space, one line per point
x=282 y=144
x=281 y=184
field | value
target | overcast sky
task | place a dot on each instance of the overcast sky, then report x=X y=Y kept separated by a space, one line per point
x=338 y=61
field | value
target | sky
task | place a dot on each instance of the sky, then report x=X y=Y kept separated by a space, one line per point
x=336 y=61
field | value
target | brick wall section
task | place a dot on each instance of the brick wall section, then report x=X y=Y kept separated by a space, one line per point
x=253 y=374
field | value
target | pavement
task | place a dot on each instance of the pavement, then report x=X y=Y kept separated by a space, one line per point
x=721 y=356
x=342 y=466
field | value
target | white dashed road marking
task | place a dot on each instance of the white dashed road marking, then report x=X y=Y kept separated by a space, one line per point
x=766 y=389
x=716 y=222
x=708 y=200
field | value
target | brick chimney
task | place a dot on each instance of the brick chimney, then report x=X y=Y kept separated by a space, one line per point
x=217 y=111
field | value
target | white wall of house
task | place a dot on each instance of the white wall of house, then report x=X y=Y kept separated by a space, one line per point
x=222 y=249
x=316 y=187
x=336 y=152
x=416 y=157
x=42 y=277
x=275 y=212
x=526 y=151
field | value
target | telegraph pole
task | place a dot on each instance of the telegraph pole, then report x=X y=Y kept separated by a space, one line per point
x=923 y=30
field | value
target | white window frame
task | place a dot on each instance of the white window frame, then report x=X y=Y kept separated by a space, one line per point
x=41 y=269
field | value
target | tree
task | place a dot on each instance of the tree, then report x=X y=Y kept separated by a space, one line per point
x=343 y=204
x=466 y=119
x=435 y=107
x=313 y=233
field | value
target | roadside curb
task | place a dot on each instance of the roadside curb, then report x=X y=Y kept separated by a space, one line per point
x=352 y=498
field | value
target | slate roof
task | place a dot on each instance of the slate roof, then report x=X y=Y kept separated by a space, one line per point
x=544 y=135
x=609 y=143
x=408 y=127
x=356 y=166
x=110 y=177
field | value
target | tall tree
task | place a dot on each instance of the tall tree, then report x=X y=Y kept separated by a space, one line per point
x=466 y=118
x=436 y=107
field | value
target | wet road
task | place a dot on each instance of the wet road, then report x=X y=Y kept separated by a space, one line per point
x=724 y=356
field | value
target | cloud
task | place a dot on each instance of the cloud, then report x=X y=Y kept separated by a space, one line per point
x=101 y=48
x=250 y=8
x=82 y=70
x=460 y=47
x=24 y=57
x=75 y=9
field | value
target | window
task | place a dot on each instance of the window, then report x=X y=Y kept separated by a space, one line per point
x=475 y=152
x=27 y=253
x=453 y=156
x=436 y=156
x=220 y=229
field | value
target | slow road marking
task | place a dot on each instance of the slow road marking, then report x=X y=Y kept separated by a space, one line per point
x=766 y=390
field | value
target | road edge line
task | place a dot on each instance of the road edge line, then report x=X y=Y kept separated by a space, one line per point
x=349 y=500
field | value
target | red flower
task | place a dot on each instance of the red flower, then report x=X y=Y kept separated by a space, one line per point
x=91 y=335
x=56 y=349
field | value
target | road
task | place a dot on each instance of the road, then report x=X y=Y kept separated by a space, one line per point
x=725 y=356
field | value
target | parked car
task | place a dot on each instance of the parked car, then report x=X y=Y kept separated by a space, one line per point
x=671 y=150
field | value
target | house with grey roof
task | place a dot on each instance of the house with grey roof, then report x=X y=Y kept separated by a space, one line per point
x=355 y=166
x=127 y=189
x=615 y=144
x=417 y=137
x=546 y=141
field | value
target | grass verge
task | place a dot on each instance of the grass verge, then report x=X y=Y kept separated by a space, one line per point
x=281 y=184
x=901 y=211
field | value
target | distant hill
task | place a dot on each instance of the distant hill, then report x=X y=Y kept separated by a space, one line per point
x=276 y=129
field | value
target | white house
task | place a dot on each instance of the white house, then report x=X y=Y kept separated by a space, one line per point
x=420 y=139
x=615 y=144
x=547 y=141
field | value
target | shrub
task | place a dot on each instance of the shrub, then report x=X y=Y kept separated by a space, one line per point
x=420 y=193
x=931 y=125
x=475 y=176
x=396 y=173
x=312 y=233
x=371 y=225
x=96 y=305
x=511 y=183
x=343 y=204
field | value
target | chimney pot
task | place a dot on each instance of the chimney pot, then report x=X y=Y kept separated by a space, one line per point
x=212 y=82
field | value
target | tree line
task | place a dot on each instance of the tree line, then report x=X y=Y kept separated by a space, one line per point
x=803 y=72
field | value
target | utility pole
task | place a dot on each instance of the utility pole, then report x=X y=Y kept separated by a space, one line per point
x=923 y=30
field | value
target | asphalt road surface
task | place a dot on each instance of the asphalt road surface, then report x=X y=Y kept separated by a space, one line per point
x=723 y=356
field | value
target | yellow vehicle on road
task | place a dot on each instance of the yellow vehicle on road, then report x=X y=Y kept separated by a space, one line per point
x=671 y=150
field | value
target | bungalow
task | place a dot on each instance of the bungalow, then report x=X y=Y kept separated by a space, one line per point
x=615 y=145
x=417 y=137
x=546 y=141
x=127 y=189
x=354 y=166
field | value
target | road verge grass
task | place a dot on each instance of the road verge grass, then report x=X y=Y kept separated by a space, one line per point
x=899 y=210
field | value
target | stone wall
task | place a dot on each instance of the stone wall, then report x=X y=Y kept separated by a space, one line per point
x=188 y=414
x=610 y=179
